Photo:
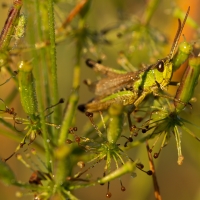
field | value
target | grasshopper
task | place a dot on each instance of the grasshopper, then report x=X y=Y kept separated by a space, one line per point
x=166 y=119
x=131 y=88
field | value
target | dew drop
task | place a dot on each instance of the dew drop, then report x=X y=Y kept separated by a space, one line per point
x=133 y=175
x=58 y=126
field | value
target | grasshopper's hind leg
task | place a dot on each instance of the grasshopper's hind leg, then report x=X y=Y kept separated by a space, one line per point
x=123 y=97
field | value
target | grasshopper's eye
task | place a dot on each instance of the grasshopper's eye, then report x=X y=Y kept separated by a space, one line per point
x=160 y=66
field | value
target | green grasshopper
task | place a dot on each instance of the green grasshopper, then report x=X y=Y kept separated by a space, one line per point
x=130 y=89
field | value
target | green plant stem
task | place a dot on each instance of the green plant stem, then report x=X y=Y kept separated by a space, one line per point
x=39 y=84
x=149 y=11
x=71 y=107
x=44 y=36
x=73 y=100
x=53 y=65
x=68 y=118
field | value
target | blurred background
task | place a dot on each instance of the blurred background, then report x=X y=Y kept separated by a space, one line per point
x=175 y=182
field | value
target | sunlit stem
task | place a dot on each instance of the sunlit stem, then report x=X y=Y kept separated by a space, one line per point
x=178 y=144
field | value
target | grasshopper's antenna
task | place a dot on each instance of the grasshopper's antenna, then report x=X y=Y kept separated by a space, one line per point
x=178 y=34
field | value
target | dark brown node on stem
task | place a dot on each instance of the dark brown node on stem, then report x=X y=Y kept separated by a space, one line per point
x=149 y=172
x=75 y=128
x=140 y=166
x=122 y=187
x=62 y=100
x=90 y=63
x=129 y=139
x=77 y=139
x=156 y=155
x=70 y=130
x=144 y=130
x=82 y=107
x=15 y=72
x=108 y=195
x=68 y=141
x=88 y=114
x=139 y=119
x=99 y=61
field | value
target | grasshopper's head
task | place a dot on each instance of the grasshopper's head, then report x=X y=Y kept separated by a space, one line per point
x=163 y=71
x=163 y=68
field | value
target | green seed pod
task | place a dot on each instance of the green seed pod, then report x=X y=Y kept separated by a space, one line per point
x=182 y=54
x=27 y=88
x=115 y=123
x=188 y=83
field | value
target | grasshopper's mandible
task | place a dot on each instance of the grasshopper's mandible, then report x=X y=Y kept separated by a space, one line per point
x=132 y=87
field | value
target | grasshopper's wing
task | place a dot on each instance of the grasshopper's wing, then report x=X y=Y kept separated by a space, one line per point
x=114 y=81
x=110 y=85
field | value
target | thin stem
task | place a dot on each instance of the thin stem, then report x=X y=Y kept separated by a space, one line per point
x=152 y=168
x=149 y=11
x=42 y=34
x=39 y=83
x=68 y=118
x=53 y=64
x=73 y=100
